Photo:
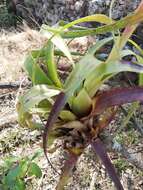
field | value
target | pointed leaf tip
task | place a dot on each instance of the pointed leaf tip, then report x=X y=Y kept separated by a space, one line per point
x=58 y=105
x=116 y=97
x=100 y=150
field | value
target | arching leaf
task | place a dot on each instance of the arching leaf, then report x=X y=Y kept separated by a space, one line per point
x=100 y=150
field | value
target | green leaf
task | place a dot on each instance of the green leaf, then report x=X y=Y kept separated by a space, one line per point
x=23 y=167
x=12 y=175
x=130 y=52
x=108 y=69
x=35 y=95
x=141 y=52
x=31 y=99
x=35 y=170
x=122 y=23
x=19 y=185
x=136 y=46
x=36 y=155
x=132 y=109
x=81 y=104
x=34 y=71
x=51 y=66
x=83 y=68
x=92 y=18
x=57 y=40
x=42 y=53
x=139 y=61
x=67 y=115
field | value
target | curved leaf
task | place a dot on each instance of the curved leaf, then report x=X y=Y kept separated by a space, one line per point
x=34 y=71
x=57 y=40
x=57 y=107
x=51 y=65
x=35 y=95
x=126 y=21
x=100 y=150
x=92 y=18
x=31 y=99
x=105 y=71
x=117 y=96
x=84 y=68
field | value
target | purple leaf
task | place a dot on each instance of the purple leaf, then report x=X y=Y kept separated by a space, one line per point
x=58 y=105
x=115 y=97
x=100 y=150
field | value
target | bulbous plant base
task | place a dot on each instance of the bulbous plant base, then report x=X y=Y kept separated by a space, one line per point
x=79 y=133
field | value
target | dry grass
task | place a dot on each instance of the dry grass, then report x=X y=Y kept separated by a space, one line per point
x=13 y=48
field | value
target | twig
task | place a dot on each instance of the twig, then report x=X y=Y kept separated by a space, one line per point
x=11 y=85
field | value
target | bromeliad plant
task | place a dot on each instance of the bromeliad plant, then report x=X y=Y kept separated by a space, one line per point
x=77 y=109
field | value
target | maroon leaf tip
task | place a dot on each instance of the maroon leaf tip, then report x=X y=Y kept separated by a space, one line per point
x=116 y=97
x=100 y=150
x=58 y=105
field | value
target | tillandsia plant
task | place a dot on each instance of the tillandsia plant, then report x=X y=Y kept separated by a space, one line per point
x=76 y=108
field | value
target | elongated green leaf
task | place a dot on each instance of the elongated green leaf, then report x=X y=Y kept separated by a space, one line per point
x=108 y=69
x=92 y=18
x=51 y=65
x=129 y=115
x=136 y=46
x=35 y=72
x=43 y=52
x=81 y=105
x=130 y=52
x=128 y=31
x=141 y=52
x=126 y=21
x=67 y=115
x=82 y=69
x=131 y=28
x=31 y=100
x=57 y=40
x=35 y=95
x=141 y=79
